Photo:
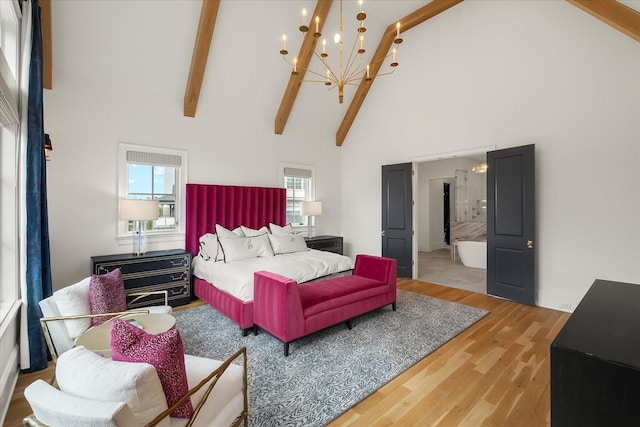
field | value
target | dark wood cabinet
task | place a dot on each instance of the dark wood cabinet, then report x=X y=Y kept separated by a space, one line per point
x=325 y=243
x=595 y=360
x=154 y=271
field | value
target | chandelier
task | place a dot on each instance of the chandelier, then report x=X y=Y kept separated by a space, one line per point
x=351 y=71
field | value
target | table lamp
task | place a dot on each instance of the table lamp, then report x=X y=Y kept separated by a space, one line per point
x=310 y=209
x=138 y=211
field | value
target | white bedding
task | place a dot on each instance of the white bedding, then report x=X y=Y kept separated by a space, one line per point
x=236 y=277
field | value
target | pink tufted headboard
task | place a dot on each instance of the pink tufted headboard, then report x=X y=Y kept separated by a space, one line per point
x=231 y=206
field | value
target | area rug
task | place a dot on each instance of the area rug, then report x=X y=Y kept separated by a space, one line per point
x=332 y=370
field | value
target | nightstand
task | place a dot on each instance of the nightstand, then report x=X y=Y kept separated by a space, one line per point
x=154 y=271
x=325 y=243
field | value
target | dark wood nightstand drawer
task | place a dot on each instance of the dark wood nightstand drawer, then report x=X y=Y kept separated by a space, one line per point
x=154 y=271
x=142 y=264
x=325 y=243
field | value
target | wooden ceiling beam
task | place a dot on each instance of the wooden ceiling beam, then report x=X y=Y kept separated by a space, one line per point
x=47 y=48
x=415 y=18
x=304 y=59
x=619 y=16
x=201 y=48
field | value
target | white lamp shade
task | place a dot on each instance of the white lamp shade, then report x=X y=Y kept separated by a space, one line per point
x=138 y=210
x=311 y=208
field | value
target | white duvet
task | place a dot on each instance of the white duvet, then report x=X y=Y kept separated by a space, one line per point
x=236 y=278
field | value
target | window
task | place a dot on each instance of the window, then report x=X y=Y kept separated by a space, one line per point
x=9 y=219
x=153 y=173
x=298 y=180
x=10 y=17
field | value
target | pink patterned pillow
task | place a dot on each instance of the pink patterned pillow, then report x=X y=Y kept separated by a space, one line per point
x=164 y=351
x=106 y=295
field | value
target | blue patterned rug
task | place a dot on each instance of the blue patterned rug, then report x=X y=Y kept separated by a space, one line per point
x=332 y=370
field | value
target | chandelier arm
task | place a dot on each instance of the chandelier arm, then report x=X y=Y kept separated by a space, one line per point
x=357 y=72
x=317 y=81
x=380 y=61
x=322 y=76
x=352 y=58
x=333 y=86
x=387 y=73
x=284 y=58
x=332 y=77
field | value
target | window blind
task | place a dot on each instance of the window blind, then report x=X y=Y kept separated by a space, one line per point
x=297 y=173
x=157 y=159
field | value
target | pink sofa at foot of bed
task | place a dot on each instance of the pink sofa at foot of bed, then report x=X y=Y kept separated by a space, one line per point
x=290 y=311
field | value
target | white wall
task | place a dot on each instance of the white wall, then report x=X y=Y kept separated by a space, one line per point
x=509 y=73
x=426 y=172
x=120 y=72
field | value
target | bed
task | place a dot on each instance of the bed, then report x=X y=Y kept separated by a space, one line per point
x=230 y=207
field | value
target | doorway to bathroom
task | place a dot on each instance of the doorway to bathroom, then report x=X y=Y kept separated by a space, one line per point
x=451 y=207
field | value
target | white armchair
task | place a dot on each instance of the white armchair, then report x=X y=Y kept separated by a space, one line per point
x=67 y=315
x=97 y=391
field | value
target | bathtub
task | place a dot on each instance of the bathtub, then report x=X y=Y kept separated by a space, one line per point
x=473 y=254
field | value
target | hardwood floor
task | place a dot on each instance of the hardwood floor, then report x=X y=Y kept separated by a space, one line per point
x=496 y=373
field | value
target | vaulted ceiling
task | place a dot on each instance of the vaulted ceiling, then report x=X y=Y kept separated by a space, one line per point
x=615 y=13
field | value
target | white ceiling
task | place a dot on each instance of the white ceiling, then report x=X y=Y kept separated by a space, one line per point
x=634 y=4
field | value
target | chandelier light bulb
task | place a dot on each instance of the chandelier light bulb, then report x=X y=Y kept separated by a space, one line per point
x=336 y=38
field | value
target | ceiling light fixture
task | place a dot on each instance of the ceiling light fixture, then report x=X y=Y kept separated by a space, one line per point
x=353 y=69
x=480 y=168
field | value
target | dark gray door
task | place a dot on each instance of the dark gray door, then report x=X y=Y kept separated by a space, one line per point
x=397 y=224
x=511 y=224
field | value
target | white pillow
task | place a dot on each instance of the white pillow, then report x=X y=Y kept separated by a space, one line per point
x=250 y=232
x=287 y=243
x=208 y=246
x=245 y=248
x=74 y=301
x=57 y=408
x=276 y=229
x=228 y=234
x=85 y=374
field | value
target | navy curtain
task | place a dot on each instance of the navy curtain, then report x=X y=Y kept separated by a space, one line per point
x=38 y=259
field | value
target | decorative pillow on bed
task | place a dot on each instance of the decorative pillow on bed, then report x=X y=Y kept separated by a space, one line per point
x=245 y=248
x=164 y=351
x=224 y=233
x=250 y=232
x=228 y=234
x=276 y=229
x=287 y=243
x=208 y=247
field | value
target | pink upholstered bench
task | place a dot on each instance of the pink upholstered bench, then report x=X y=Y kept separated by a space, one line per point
x=290 y=311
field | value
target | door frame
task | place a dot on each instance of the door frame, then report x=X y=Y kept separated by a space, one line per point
x=416 y=194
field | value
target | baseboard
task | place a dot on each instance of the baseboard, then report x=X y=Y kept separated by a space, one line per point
x=557 y=302
x=8 y=380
